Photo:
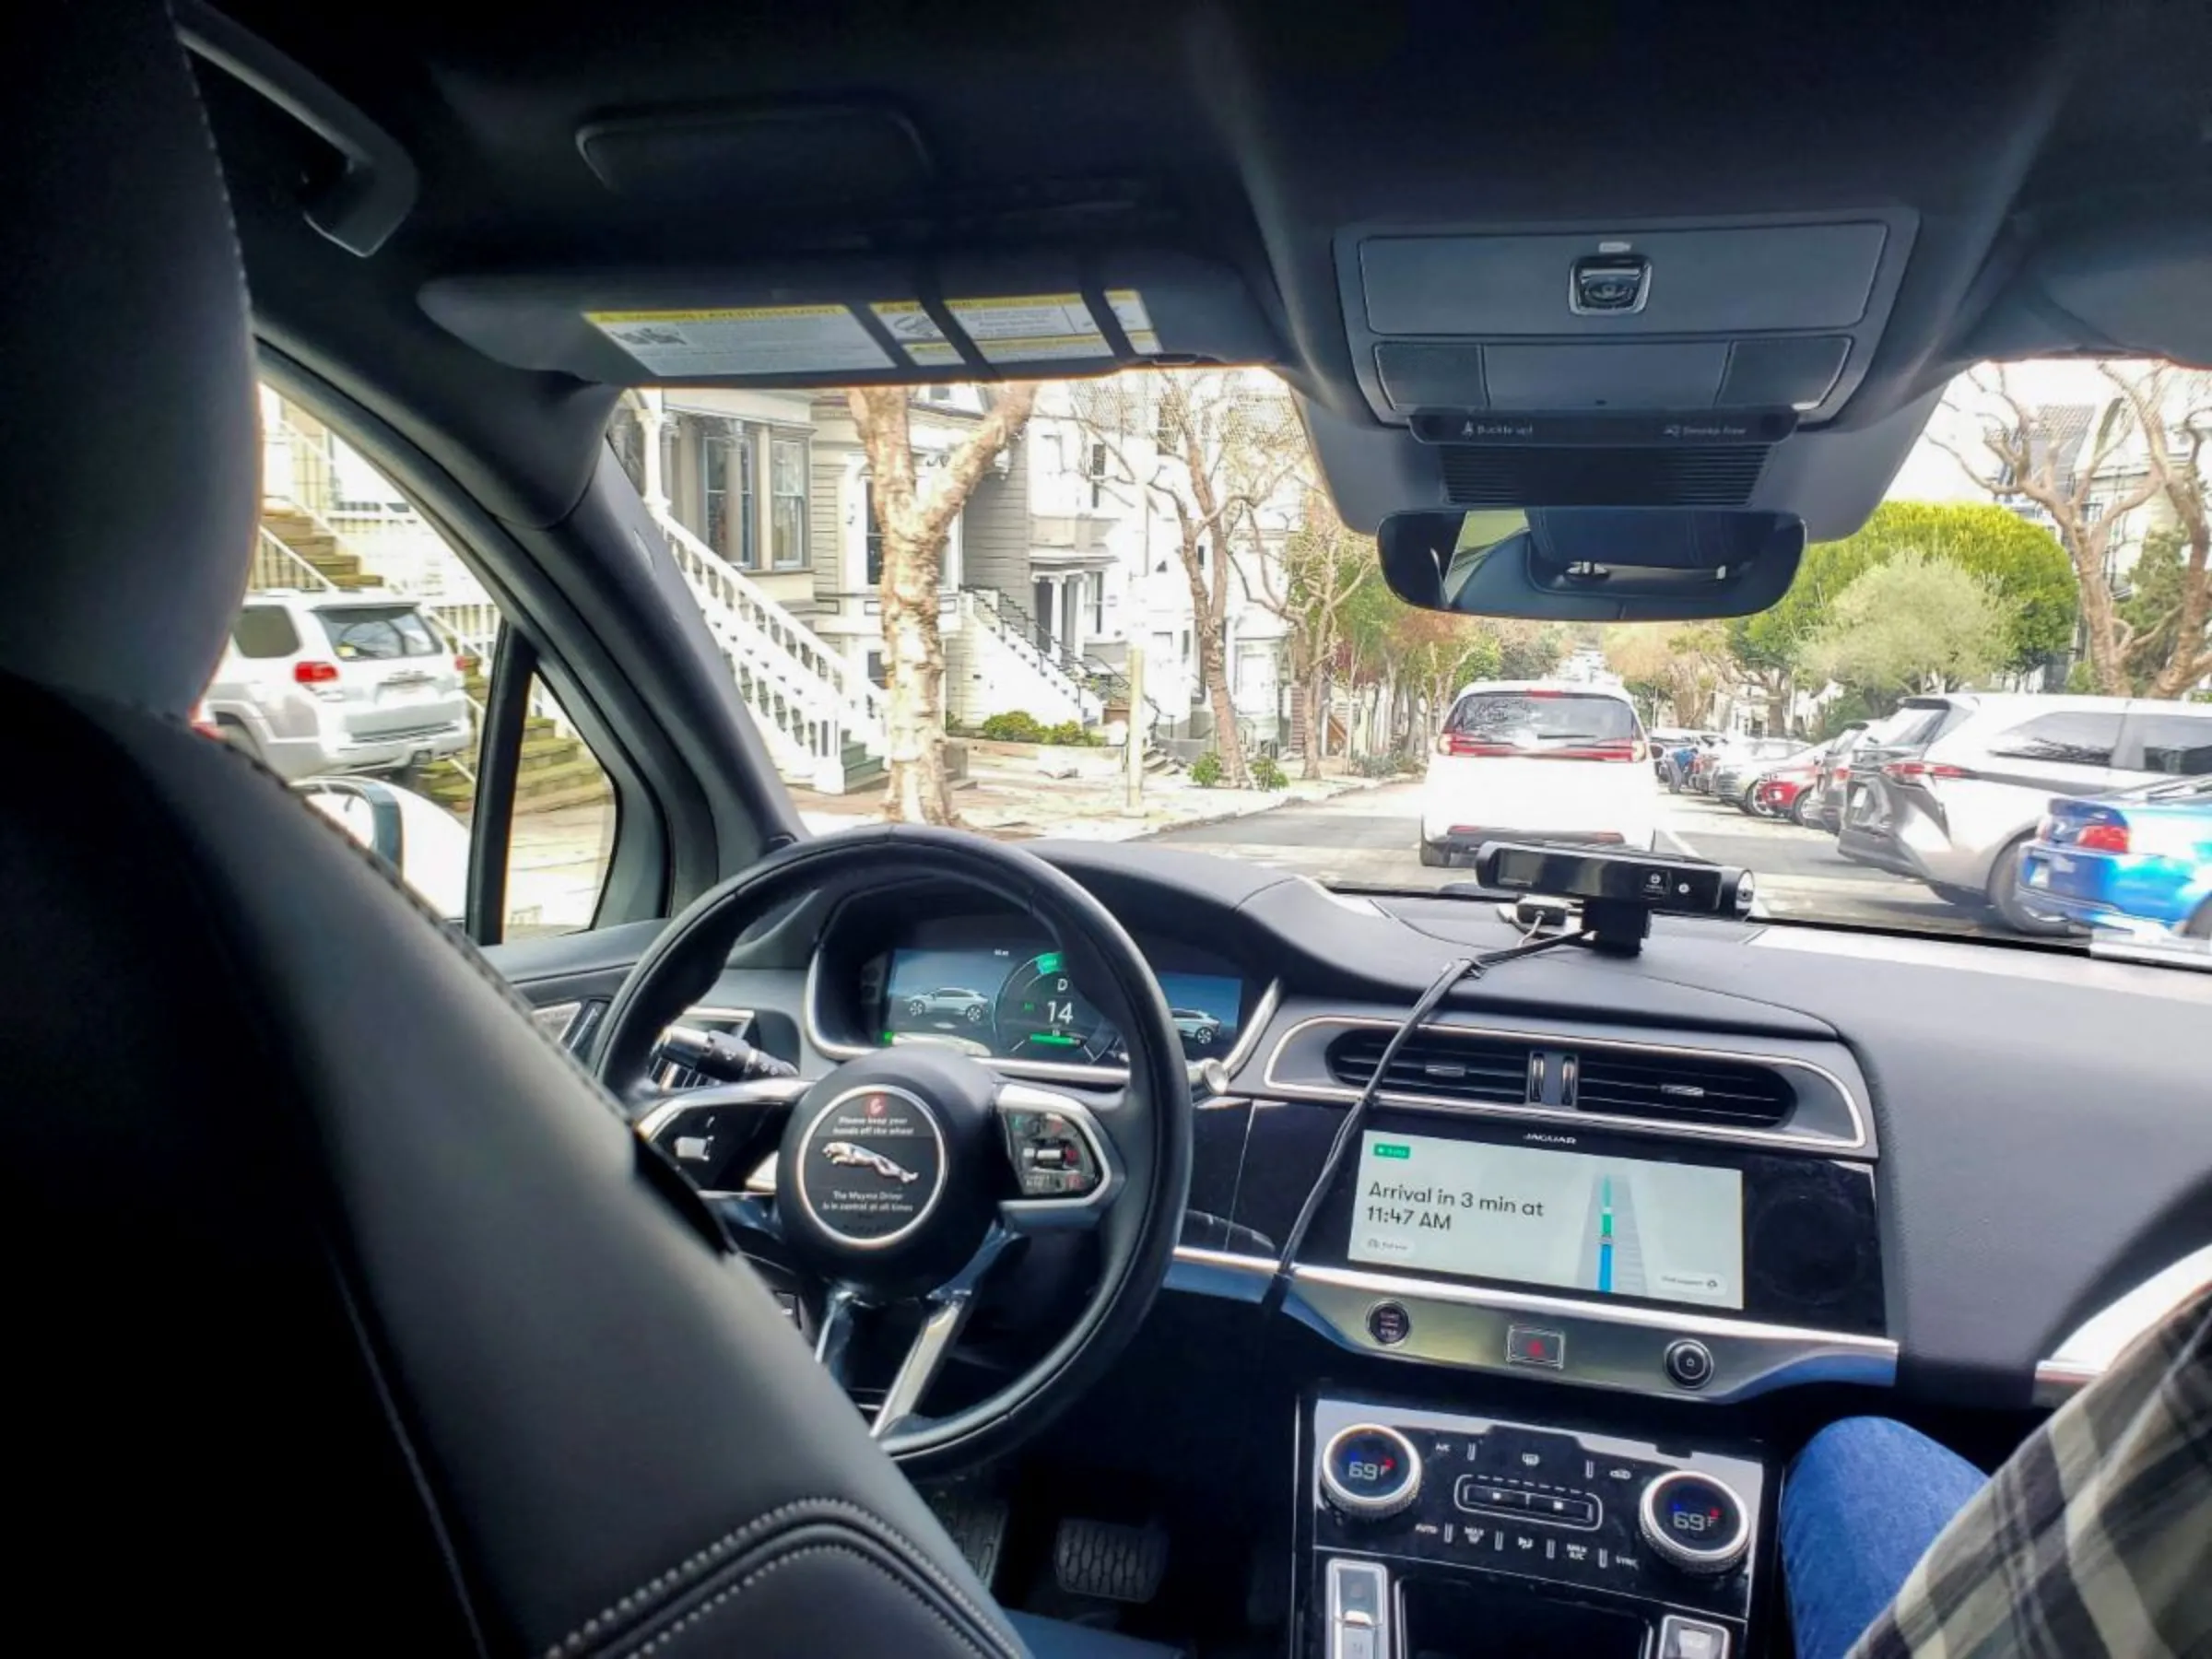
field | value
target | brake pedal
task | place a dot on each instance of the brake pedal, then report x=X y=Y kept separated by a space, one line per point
x=977 y=1523
x=1105 y=1559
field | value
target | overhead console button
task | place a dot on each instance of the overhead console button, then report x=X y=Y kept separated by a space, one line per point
x=1604 y=284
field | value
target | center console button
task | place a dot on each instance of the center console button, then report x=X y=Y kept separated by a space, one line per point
x=1688 y=1363
x=1389 y=1323
x=1536 y=1345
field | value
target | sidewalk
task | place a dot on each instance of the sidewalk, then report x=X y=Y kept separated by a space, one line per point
x=1005 y=796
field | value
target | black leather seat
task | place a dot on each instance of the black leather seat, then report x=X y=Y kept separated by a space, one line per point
x=339 y=1313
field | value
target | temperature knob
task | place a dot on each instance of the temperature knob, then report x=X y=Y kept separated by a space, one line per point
x=1694 y=1523
x=1370 y=1473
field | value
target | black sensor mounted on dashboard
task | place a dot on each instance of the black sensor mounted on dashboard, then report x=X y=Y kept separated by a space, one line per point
x=1618 y=893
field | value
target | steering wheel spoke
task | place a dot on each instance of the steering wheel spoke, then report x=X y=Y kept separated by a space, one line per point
x=1066 y=1167
x=945 y=1315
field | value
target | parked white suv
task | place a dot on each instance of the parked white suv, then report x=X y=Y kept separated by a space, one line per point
x=338 y=682
x=1532 y=761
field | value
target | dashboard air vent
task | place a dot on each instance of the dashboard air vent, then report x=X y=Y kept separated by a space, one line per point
x=1440 y=1067
x=1690 y=1089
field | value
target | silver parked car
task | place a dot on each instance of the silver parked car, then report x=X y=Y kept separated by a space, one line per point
x=1952 y=789
x=338 y=682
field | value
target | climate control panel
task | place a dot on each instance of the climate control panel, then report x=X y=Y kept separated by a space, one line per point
x=1429 y=1494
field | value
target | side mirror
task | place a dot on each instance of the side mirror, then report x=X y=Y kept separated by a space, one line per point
x=1592 y=564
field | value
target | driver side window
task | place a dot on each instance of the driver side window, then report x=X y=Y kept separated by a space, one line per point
x=358 y=670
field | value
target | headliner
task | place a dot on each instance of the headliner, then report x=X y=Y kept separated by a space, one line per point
x=2054 y=158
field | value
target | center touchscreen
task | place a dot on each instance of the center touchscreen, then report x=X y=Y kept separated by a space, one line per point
x=1606 y=1226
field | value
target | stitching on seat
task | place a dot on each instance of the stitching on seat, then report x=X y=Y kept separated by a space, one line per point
x=729 y=1592
x=693 y=1566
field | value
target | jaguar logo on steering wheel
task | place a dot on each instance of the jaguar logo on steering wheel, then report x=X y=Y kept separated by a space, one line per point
x=845 y=1152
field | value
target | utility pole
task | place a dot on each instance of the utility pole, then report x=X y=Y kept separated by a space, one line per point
x=1132 y=746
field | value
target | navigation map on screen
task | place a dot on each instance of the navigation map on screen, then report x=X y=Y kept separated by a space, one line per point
x=1607 y=1226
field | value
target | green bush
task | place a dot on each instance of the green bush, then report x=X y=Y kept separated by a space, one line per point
x=1205 y=772
x=1267 y=775
x=1019 y=727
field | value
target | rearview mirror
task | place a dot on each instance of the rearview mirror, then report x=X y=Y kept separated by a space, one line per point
x=1592 y=564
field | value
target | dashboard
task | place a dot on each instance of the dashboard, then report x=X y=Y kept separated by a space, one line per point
x=1924 y=1165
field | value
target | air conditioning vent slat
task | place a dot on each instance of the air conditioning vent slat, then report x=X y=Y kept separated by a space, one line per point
x=1436 y=1064
x=1684 y=1089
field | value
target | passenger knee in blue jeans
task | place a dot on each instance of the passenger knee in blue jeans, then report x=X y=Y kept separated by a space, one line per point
x=1860 y=1507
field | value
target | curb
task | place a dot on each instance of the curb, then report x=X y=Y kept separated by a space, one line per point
x=1350 y=786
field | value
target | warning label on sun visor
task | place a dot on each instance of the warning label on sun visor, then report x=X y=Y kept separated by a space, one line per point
x=1019 y=328
x=917 y=332
x=761 y=339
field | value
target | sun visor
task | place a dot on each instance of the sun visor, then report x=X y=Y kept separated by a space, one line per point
x=1771 y=314
x=826 y=321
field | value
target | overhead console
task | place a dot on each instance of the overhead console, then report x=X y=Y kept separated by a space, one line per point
x=1636 y=319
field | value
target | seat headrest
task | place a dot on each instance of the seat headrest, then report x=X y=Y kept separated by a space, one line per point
x=133 y=461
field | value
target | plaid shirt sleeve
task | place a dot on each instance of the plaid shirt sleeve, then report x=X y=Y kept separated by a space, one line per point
x=2094 y=1538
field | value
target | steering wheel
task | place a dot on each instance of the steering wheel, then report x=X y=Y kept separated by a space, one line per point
x=902 y=1176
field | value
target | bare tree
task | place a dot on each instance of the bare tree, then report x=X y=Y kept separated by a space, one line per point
x=1324 y=565
x=1211 y=448
x=2176 y=454
x=2067 y=480
x=915 y=514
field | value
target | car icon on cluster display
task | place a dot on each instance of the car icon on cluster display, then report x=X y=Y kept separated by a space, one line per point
x=851 y=1155
x=1195 y=1026
x=969 y=1005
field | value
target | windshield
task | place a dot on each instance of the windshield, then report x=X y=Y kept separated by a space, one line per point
x=1124 y=609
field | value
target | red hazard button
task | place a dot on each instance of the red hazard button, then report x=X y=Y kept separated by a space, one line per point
x=1533 y=1345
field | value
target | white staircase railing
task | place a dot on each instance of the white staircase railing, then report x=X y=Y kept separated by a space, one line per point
x=810 y=698
x=988 y=607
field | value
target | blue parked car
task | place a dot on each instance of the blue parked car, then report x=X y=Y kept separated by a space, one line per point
x=2142 y=855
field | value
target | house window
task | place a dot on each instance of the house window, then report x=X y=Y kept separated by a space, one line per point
x=1097 y=474
x=726 y=485
x=787 y=503
x=872 y=532
x=1098 y=603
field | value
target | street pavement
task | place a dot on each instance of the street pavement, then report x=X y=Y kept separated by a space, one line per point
x=1368 y=839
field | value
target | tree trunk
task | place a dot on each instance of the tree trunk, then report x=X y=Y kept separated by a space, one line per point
x=913 y=662
x=1213 y=673
x=916 y=524
x=2100 y=630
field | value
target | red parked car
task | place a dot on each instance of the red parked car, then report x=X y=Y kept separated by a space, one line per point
x=1790 y=791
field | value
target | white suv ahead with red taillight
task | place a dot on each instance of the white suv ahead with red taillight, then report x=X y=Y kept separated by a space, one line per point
x=1538 y=760
x=340 y=682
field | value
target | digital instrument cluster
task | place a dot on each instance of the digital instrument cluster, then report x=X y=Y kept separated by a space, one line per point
x=976 y=984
